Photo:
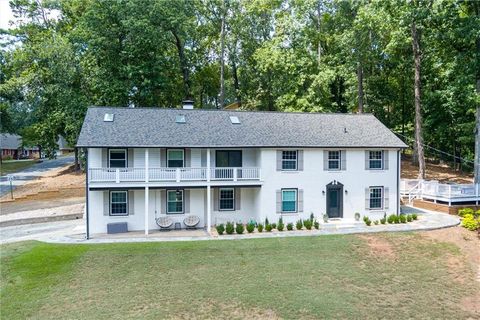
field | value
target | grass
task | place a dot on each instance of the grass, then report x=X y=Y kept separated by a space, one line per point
x=310 y=277
x=8 y=167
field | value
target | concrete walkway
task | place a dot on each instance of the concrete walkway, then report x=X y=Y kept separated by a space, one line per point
x=74 y=231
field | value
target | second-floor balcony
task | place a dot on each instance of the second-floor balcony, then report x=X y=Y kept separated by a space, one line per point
x=118 y=175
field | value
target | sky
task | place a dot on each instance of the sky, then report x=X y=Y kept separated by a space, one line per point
x=5 y=14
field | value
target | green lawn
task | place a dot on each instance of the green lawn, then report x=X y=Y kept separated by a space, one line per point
x=308 y=277
x=8 y=167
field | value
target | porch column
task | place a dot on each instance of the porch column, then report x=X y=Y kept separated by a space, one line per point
x=146 y=210
x=146 y=164
x=209 y=208
x=209 y=174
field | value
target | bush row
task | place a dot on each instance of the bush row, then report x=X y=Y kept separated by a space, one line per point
x=470 y=218
x=391 y=219
x=239 y=227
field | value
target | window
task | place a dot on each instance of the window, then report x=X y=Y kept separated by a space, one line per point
x=289 y=160
x=117 y=158
x=174 y=201
x=118 y=203
x=289 y=200
x=333 y=160
x=175 y=158
x=375 y=159
x=227 y=199
x=376 y=196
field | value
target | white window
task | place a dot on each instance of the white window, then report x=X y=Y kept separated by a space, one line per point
x=175 y=158
x=375 y=160
x=289 y=160
x=334 y=158
x=227 y=199
x=289 y=200
x=118 y=203
x=376 y=197
x=117 y=158
x=174 y=201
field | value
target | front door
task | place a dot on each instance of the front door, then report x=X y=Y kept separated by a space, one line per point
x=335 y=200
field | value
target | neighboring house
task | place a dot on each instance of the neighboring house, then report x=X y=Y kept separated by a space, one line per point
x=236 y=166
x=11 y=147
x=63 y=146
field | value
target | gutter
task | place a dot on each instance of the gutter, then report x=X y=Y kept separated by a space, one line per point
x=398 y=181
x=87 y=207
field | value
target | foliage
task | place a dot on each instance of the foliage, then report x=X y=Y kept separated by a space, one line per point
x=414 y=216
x=376 y=222
x=274 y=225
x=280 y=225
x=230 y=227
x=383 y=220
x=289 y=226
x=470 y=222
x=239 y=227
x=409 y=218
x=299 y=224
x=402 y=218
x=393 y=218
x=220 y=228
x=250 y=227
x=268 y=227
x=260 y=227
x=316 y=224
x=312 y=217
x=367 y=220
x=307 y=224
x=462 y=212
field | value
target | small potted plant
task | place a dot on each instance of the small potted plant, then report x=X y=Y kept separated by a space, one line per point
x=325 y=217
x=357 y=216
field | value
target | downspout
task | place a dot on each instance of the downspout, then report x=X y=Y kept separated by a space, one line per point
x=86 y=195
x=398 y=182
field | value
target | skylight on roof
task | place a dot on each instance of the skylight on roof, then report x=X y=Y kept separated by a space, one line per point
x=108 y=117
x=180 y=118
x=234 y=120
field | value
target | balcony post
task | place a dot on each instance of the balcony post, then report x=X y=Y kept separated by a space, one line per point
x=476 y=193
x=235 y=174
x=449 y=195
x=177 y=174
x=209 y=173
x=259 y=170
x=146 y=165
x=146 y=211
x=117 y=175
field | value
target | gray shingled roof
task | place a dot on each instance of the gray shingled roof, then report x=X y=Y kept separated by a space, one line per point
x=155 y=127
x=10 y=141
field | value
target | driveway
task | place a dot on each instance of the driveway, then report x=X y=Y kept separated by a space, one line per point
x=33 y=172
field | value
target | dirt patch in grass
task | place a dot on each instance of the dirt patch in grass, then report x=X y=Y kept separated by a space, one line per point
x=379 y=246
x=440 y=172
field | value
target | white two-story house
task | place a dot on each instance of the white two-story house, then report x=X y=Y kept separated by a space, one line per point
x=148 y=163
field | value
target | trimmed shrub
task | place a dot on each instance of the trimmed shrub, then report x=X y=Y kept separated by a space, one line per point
x=409 y=218
x=274 y=225
x=230 y=228
x=392 y=218
x=402 y=218
x=220 y=228
x=470 y=222
x=414 y=216
x=268 y=227
x=239 y=228
x=280 y=227
x=299 y=224
x=368 y=222
x=312 y=217
x=266 y=221
x=465 y=211
x=375 y=222
x=365 y=218
x=250 y=227
x=289 y=226
x=260 y=227
x=308 y=224
x=316 y=224
x=383 y=220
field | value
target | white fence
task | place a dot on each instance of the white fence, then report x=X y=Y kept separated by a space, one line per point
x=434 y=190
x=172 y=174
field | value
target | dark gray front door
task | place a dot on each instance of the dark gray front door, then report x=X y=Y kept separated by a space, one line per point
x=335 y=200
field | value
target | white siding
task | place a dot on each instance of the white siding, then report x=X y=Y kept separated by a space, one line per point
x=196 y=158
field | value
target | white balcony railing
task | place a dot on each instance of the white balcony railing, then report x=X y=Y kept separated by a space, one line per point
x=172 y=174
x=416 y=188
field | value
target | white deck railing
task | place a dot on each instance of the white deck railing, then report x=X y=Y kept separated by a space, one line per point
x=434 y=190
x=172 y=174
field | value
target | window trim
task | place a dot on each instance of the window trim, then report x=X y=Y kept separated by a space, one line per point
x=183 y=160
x=296 y=200
x=296 y=160
x=382 y=195
x=339 y=160
x=220 y=199
x=125 y=150
x=370 y=159
x=183 y=202
x=110 y=204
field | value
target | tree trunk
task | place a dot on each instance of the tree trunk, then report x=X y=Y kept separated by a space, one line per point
x=418 y=111
x=477 y=118
x=222 y=60
x=183 y=65
x=360 y=87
